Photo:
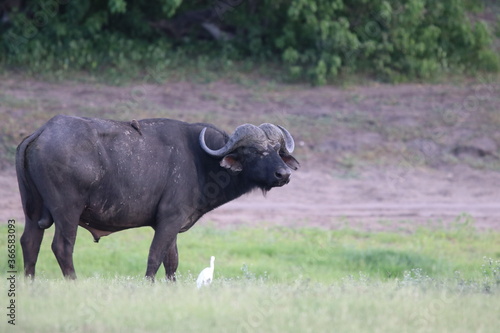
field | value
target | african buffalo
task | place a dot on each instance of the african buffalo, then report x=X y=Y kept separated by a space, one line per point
x=108 y=176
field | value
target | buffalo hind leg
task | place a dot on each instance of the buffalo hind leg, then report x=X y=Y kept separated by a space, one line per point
x=30 y=242
x=171 y=261
x=64 y=242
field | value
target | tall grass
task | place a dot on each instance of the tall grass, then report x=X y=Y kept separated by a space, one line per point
x=269 y=280
x=414 y=303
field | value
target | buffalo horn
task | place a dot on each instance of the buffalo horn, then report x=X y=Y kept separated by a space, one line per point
x=279 y=133
x=242 y=135
x=289 y=143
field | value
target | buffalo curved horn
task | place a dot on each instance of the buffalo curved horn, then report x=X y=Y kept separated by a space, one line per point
x=289 y=143
x=279 y=133
x=242 y=135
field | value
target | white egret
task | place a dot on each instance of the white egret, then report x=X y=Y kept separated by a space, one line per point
x=206 y=275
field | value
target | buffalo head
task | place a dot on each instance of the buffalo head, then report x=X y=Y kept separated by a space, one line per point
x=261 y=153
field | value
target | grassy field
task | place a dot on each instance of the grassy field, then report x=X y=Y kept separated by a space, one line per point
x=270 y=280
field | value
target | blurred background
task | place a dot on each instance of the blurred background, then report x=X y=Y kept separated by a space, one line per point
x=314 y=41
x=394 y=104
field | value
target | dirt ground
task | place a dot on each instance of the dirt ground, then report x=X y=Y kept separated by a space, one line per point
x=375 y=157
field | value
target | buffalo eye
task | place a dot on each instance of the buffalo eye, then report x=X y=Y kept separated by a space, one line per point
x=252 y=151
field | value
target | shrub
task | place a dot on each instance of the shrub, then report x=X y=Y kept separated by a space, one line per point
x=314 y=39
x=393 y=39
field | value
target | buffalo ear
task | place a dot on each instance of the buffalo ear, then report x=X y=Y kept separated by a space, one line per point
x=290 y=161
x=231 y=162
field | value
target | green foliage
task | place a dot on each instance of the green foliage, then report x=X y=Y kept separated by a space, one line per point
x=117 y=6
x=316 y=40
x=394 y=40
x=497 y=27
x=85 y=35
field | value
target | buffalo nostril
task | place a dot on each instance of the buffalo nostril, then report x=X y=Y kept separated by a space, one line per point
x=282 y=174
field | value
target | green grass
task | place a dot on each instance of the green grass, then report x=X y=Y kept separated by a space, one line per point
x=269 y=280
x=280 y=254
x=133 y=305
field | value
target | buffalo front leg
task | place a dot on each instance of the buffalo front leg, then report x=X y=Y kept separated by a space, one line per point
x=171 y=261
x=64 y=242
x=162 y=241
